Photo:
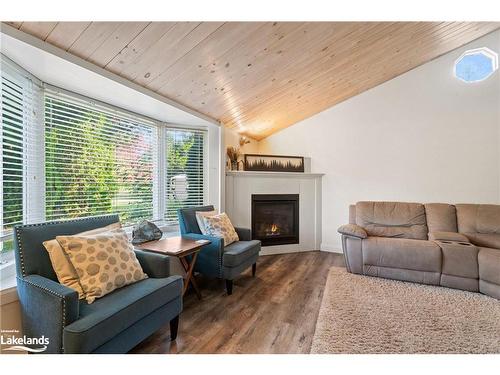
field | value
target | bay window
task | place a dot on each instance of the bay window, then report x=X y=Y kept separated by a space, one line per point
x=97 y=161
x=65 y=156
x=185 y=170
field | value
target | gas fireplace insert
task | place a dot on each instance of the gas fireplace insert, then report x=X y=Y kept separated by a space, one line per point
x=275 y=218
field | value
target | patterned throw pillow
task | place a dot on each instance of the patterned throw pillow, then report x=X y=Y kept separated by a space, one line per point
x=220 y=226
x=65 y=272
x=104 y=262
x=199 y=219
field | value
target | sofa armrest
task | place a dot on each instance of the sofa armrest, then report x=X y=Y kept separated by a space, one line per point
x=47 y=307
x=447 y=236
x=154 y=265
x=244 y=234
x=352 y=230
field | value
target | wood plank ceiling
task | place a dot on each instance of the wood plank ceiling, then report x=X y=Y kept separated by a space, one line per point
x=258 y=77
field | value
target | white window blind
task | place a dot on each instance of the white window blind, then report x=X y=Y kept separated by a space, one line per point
x=185 y=170
x=19 y=132
x=97 y=160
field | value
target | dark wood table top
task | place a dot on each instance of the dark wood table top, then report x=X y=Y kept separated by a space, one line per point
x=173 y=246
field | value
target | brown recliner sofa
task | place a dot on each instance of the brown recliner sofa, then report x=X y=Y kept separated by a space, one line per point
x=456 y=246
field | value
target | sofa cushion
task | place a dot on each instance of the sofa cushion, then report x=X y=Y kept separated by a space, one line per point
x=478 y=218
x=115 y=312
x=392 y=219
x=421 y=277
x=236 y=253
x=402 y=253
x=447 y=236
x=489 y=265
x=352 y=214
x=484 y=240
x=441 y=217
x=459 y=259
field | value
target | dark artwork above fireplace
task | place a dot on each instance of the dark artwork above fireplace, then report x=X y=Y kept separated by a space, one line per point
x=275 y=218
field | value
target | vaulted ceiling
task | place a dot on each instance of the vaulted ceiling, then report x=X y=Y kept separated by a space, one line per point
x=258 y=77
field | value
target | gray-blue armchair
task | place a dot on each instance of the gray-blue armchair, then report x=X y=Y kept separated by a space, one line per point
x=215 y=259
x=114 y=323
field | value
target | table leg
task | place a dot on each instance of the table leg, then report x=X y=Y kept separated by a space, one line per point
x=189 y=268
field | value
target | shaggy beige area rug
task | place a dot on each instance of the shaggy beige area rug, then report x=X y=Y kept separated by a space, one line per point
x=362 y=314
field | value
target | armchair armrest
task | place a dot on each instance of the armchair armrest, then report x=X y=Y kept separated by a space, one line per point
x=244 y=234
x=447 y=236
x=154 y=265
x=210 y=257
x=47 y=308
x=352 y=230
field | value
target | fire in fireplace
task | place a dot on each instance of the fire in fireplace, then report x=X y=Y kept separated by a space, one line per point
x=275 y=218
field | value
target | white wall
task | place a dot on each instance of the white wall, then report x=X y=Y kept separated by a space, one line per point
x=423 y=136
x=232 y=138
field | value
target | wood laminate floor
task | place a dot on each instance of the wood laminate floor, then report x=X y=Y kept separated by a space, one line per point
x=275 y=312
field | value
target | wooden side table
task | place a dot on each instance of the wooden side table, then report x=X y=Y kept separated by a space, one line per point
x=181 y=248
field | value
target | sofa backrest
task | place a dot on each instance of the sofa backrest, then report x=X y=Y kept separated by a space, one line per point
x=441 y=217
x=352 y=214
x=392 y=219
x=481 y=223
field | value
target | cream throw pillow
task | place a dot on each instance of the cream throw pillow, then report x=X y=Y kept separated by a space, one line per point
x=65 y=272
x=104 y=262
x=220 y=226
x=199 y=219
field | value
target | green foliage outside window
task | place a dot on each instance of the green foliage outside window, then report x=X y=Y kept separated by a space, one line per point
x=96 y=164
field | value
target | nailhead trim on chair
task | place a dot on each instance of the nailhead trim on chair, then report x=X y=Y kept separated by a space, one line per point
x=23 y=270
x=21 y=256
x=219 y=256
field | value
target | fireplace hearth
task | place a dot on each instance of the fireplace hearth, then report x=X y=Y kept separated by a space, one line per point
x=275 y=218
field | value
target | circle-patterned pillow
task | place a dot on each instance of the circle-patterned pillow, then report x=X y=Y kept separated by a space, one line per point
x=220 y=226
x=104 y=262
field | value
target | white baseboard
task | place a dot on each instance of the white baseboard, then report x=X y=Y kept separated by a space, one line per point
x=331 y=248
x=273 y=250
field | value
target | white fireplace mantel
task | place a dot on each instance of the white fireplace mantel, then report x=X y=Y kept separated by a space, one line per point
x=293 y=175
x=240 y=185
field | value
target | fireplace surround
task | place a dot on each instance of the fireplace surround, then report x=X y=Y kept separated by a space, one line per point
x=241 y=185
x=275 y=218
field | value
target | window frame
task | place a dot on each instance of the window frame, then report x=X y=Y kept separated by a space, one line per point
x=205 y=154
x=34 y=193
x=485 y=51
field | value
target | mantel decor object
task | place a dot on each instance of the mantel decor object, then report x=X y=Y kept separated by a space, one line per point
x=233 y=153
x=273 y=163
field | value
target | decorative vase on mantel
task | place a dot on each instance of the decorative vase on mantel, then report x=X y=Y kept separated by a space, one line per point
x=233 y=154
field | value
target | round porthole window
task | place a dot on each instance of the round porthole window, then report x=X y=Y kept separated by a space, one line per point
x=476 y=65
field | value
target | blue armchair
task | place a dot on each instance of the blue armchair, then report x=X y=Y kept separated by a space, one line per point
x=114 y=323
x=215 y=259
